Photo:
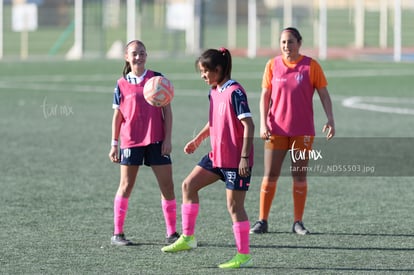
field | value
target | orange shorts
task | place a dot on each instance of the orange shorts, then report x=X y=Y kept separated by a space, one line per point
x=286 y=143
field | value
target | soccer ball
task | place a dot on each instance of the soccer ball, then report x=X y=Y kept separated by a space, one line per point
x=158 y=91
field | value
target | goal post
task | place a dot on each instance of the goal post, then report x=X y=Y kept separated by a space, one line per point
x=76 y=52
x=1 y=29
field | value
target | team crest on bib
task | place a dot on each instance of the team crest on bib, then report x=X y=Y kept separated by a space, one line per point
x=126 y=153
x=299 y=77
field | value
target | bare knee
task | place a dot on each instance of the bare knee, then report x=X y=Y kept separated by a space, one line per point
x=189 y=193
x=236 y=211
x=185 y=187
x=300 y=180
x=271 y=177
x=125 y=188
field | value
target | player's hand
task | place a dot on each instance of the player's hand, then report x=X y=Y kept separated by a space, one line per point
x=244 y=169
x=191 y=146
x=113 y=154
x=329 y=129
x=265 y=133
x=166 y=148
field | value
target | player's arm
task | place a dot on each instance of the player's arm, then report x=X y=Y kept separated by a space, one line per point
x=265 y=103
x=248 y=134
x=168 y=119
x=329 y=126
x=319 y=82
x=193 y=144
x=116 y=128
x=242 y=111
x=265 y=99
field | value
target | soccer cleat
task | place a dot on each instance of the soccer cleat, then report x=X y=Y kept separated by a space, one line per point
x=183 y=243
x=299 y=228
x=119 y=239
x=238 y=261
x=259 y=227
x=172 y=238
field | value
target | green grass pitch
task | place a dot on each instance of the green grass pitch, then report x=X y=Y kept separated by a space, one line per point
x=57 y=183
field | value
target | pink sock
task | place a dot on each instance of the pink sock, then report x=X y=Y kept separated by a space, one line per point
x=120 y=211
x=241 y=236
x=189 y=214
x=169 y=209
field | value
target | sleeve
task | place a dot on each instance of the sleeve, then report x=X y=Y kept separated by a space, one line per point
x=317 y=75
x=117 y=98
x=158 y=74
x=240 y=104
x=268 y=75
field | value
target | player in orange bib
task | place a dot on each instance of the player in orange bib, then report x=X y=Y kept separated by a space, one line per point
x=286 y=122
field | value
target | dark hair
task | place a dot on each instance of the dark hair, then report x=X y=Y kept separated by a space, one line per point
x=212 y=58
x=127 y=67
x=295 y=33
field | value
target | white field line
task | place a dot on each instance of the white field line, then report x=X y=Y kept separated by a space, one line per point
x=67 y=83
x=194 y=76
x=85 y=88
x=376 y=104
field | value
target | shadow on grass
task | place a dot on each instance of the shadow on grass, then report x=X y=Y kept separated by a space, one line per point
x=364 y=234
x=349 y=269
x=207 y=244
x=345 y=234
x=333 y=248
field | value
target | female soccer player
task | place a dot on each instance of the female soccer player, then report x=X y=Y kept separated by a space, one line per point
x=286 y=121
x=145 y=138
x=231 y=129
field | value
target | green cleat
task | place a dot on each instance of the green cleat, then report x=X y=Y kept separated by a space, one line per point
x=238 y=261
x=183 y=243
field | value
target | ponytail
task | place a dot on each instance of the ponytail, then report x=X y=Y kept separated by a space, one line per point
x=212 y=58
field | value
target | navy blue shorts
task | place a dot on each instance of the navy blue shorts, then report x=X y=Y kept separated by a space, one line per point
x=149 y=155
x=229 y=175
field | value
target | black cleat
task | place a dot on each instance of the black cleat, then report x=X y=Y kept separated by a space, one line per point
x=259 y=227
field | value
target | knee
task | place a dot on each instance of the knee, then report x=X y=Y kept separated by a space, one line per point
x=232 y=211
x=300 y=181
x=237 y=212
x=233 y=208
x=271 y=178
x=124 y=189
x=186 y=186
x=299 y=177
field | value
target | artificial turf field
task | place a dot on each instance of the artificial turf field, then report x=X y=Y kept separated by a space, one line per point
x=57 y=183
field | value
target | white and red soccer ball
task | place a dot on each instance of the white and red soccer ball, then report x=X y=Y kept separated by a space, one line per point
x=158 y=91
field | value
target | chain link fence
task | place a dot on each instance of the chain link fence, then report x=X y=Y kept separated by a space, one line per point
x=105 y=26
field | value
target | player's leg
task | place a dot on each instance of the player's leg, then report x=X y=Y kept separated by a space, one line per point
x=127 y=180
x=161 y=165
x=163 y=173
x=299 y=193
x=274 y=154
x=235 y=205
x=126 y=185
x=300 y=184
x=196 y=180
x=241 y=226
x=131 y=160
